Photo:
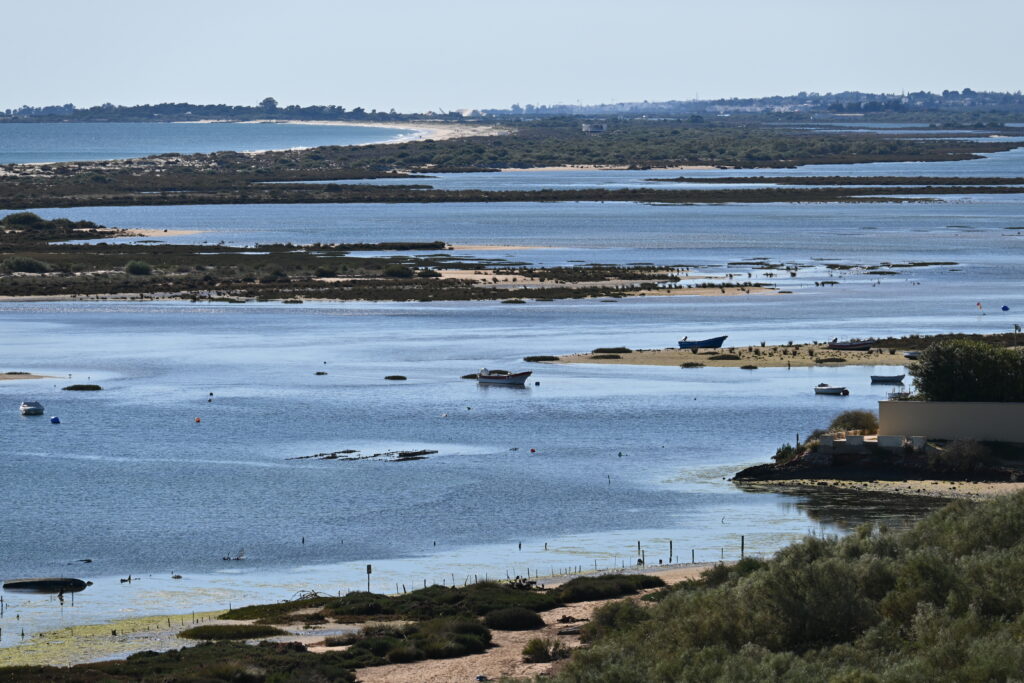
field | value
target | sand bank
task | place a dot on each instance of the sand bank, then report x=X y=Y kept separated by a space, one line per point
x=805 y=355
x=22 y=375
x=970 y=490
x=136 y=232
x=494 y=247
x=425 y=130
x=599 y=167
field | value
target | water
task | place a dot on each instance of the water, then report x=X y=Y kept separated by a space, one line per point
x=49 y=142
x=131 y=481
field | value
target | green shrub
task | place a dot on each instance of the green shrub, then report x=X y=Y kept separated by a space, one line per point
x=513 y=619
x=586 y=588
x=960 y=456
x=541 y=650
x=691 y=364
x=397 y=270
x=231 y=632
x=612 y=617
x=613 y=349
x=847 y=420
x=968 y=370
x=724 y=356
x=138 y=268
x=539 y=359
x=22 y=264
x=606 y=356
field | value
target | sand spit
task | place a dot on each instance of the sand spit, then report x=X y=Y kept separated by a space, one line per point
x=970 y=490
x=22 y=375
x=797 y=356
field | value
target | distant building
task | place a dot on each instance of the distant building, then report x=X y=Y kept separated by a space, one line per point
x=594 y=127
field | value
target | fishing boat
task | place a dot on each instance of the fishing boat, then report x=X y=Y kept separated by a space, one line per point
x=240 y=555
x=712 y=343
x=31 y=408
x=828 y=390
x=505 y=377
x=887 y=379
x=47 y=585
x=851 y=345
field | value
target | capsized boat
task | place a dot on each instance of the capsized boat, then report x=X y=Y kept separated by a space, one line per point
x=887 y=379
x=828 y=390
x=712 y=343
x=31 y=408
x=852 y=345
x=47 y=585
x=486 y=376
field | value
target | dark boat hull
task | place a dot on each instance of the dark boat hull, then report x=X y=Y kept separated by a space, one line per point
x=712 y=343
x=851 y=346
x=46 y=585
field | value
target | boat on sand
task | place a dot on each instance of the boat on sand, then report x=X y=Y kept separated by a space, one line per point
x=710 y=343
x=828 y=390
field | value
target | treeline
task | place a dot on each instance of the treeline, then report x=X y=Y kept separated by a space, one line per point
x=941 y=601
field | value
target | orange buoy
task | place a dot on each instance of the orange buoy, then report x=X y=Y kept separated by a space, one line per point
x=533 y=450
x=198 y=420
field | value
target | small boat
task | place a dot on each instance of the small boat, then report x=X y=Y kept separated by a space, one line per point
x=828 y=390
x=32 y=408
x=47 y=585
x=912 y=355
x=887 y=379
x=712 y=343
x=505 y=377
x=239 y=556
x=852 y=345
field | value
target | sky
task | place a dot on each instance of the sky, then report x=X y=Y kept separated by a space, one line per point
x=452 y=54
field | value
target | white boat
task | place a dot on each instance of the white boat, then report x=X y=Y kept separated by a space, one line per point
x=887 y=379
x=486 y=376
x=32 y=408
x=828 y=390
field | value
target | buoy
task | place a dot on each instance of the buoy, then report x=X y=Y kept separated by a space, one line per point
x=1006 y=308
x=55 y=420
x=533 y=450
x=198 y=420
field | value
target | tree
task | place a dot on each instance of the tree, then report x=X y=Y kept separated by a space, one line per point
x=966 y=370
x=269 y=104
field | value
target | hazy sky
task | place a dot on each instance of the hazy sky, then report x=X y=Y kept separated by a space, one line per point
x=449 y=54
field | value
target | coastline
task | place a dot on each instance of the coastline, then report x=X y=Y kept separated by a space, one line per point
x=433 y=130
x=798 y=355
x=931 y=488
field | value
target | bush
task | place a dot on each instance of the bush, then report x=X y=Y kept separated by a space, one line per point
x=541 y=650
x=724 y=356
x=691 y=364
x=612 y=617
x=586 y=588
x=83 y=387
x=22 y=220
x=427 y=272
x=231 y=632
x=960 y=456
x=513 y=619
x=967 y=370
x=539 y=359
x=138 y=268
x=21 y=264
x=397 y=270
x=613 y=349
x=863 y=420
x=396 y=377
x=605 y=356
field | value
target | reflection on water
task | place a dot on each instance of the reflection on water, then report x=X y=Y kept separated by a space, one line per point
x=842 y=510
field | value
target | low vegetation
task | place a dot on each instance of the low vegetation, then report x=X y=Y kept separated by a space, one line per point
x=969 y=370
x=231 y=632
x=941 y=601
x=83 y=387
x=863 y=420
x=541 y=650
x=513 y=619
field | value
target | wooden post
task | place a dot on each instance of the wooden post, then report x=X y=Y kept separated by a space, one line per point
x=742 y=546
x=692 y=560
x=369 y=570
x=670 y=552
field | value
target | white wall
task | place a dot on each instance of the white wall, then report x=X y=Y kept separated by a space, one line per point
x=952 y=420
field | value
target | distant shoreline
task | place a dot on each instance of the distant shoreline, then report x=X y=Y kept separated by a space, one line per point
x=432 y=131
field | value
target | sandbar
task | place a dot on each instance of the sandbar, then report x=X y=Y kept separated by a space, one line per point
x=798 y=355
x=20 y=375
x=969 y=490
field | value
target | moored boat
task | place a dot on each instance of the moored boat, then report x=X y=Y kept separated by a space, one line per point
x=851 y=345
x=31 y=408
x=887 y=379
x=912 y=355
x=828 y=390
x=711 y=343
x=505 y=377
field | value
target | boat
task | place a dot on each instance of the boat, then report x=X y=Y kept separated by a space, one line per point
x=47 y=585
x=852 y=345
x=240 y=555
x=31 y=408
x=828 y=390
x=912 y=355
x=712 y=343
x=887 y=379
x=505 y=377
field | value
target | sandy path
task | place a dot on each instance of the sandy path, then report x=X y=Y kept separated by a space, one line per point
x=506 y=657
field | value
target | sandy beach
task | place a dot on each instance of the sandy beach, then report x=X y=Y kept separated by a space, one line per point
x=798 y=355
x=138 y=232
x=422 y=130
x=969 y=490
x=22 y=375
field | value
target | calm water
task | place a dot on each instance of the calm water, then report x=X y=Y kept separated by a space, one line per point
x=47 y=142
x=132 y=482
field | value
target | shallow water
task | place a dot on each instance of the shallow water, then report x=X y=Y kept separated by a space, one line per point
x=22 y=143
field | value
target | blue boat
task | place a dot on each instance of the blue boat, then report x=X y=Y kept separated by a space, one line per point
x=713 y=343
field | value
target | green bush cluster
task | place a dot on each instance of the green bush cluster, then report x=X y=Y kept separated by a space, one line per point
x=847 y=420
x=969 y=370
x=513 y=619
x=441 y=638
x=540 y=650
x=586 y=588
x=231 y=632
x=943 y=600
